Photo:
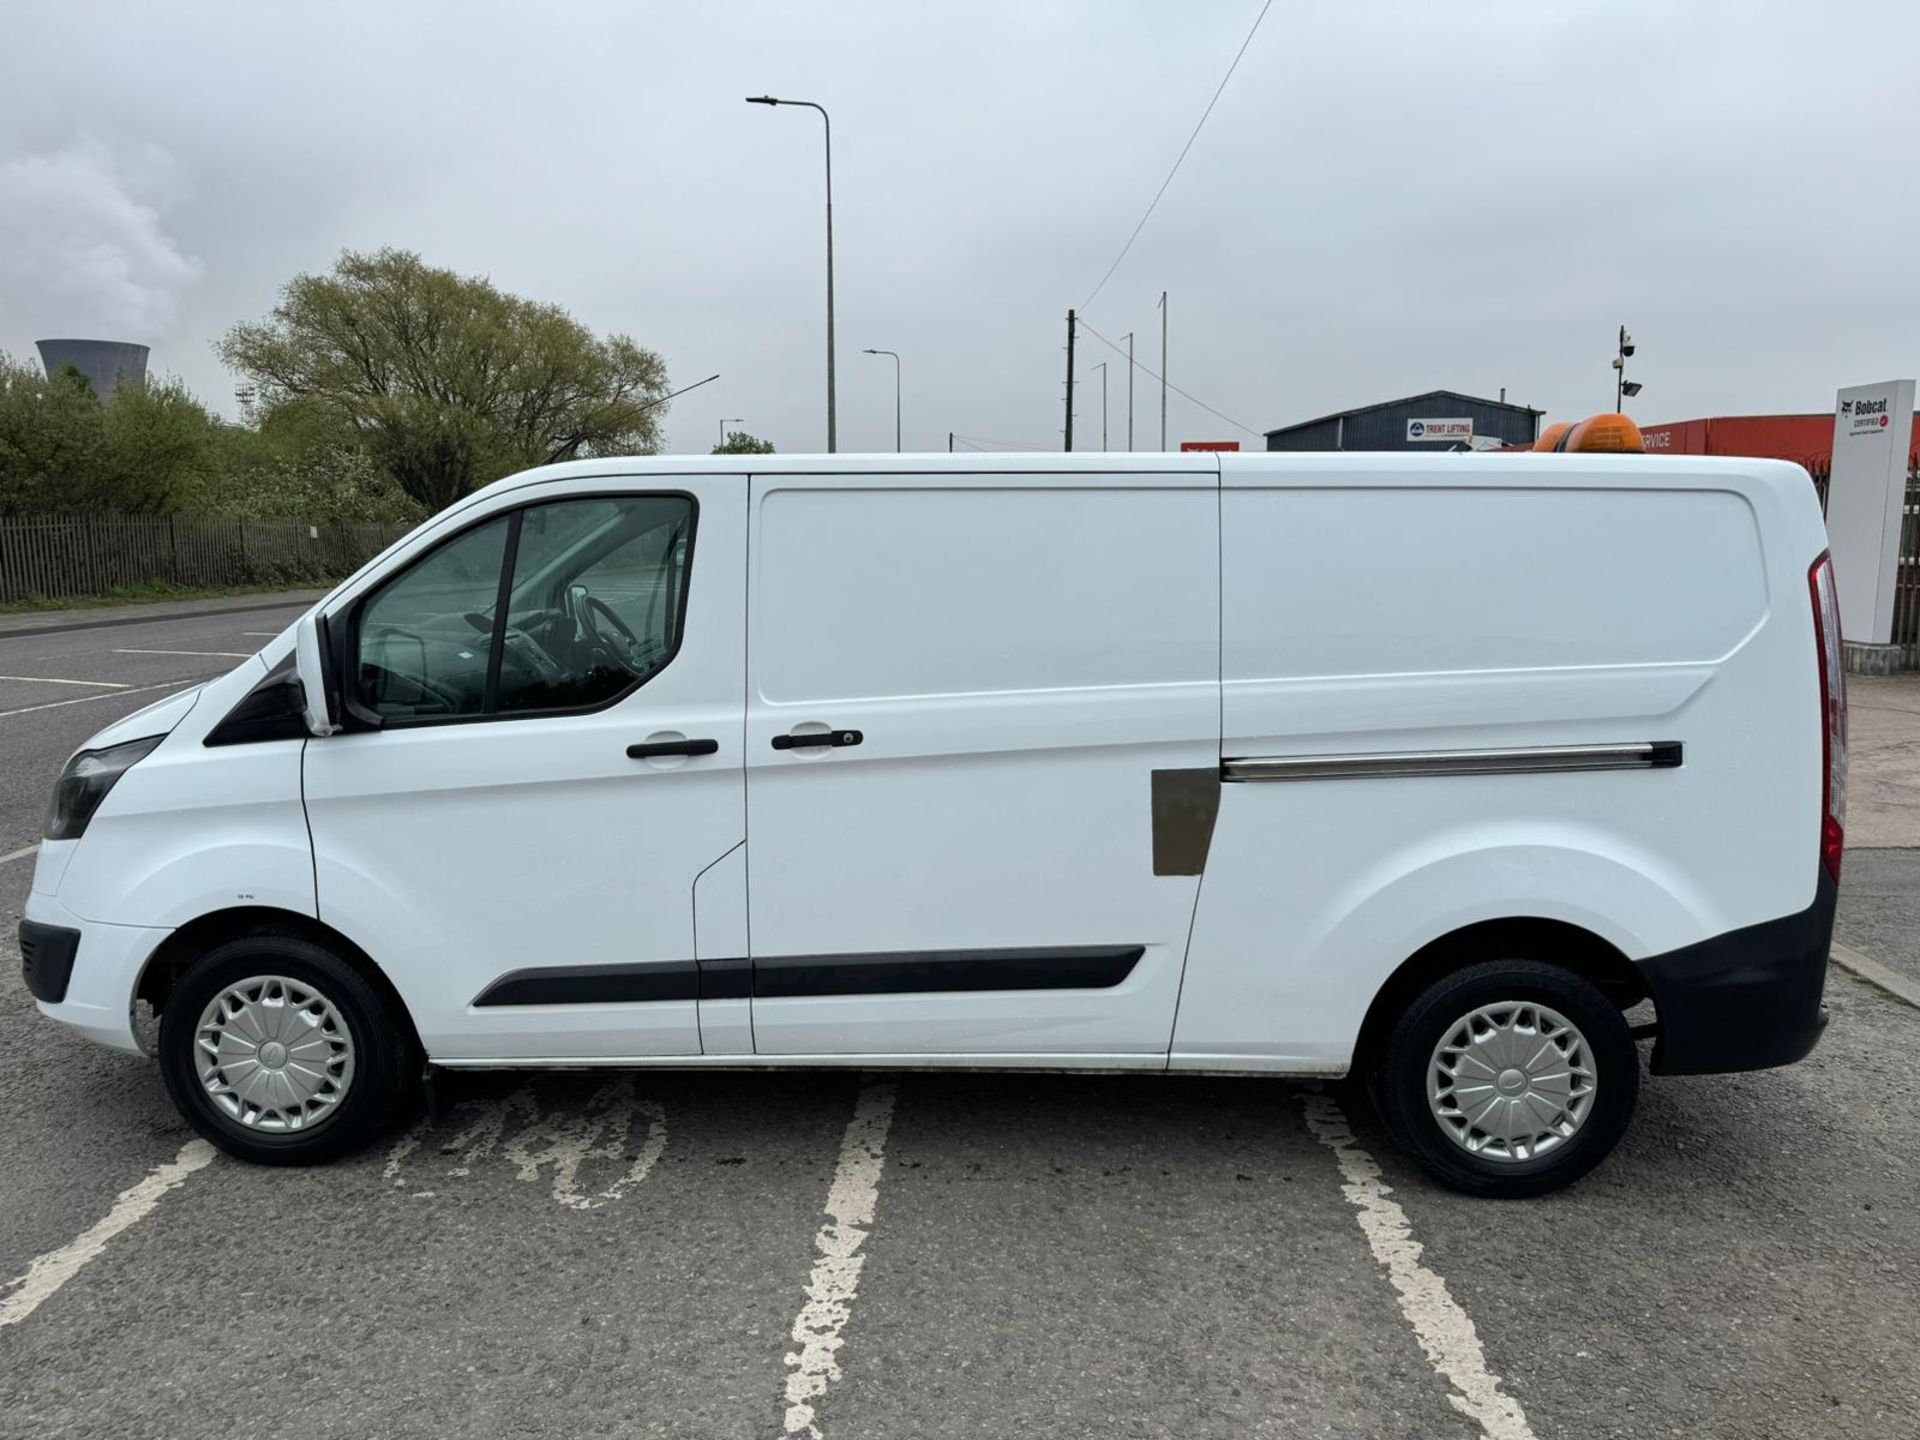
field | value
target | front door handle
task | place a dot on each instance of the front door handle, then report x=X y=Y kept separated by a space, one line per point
x=653 y=748
x=818 y=739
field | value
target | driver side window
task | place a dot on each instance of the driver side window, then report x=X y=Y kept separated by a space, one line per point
x=594 y=604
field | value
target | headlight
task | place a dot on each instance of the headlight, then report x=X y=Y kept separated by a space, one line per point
x=85 y=783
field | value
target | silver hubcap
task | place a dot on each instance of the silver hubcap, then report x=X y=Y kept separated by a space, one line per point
x=274 y=1053
x=1511 y=1081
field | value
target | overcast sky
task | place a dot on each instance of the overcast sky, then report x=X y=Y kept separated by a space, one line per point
x=1389 y=198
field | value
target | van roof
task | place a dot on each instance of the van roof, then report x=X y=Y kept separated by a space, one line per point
x=1477 y=467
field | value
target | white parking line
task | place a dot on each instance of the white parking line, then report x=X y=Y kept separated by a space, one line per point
x=1874 y=973
x=836 y=1274
x=50 y=1271
x=221 y=654
x=260 y=634
x=33 y=849
x=1444 y=1330
x=110 y=695
x=53 y=680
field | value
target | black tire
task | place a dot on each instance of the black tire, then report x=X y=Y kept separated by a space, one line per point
x=382 y=1050
x=1400 y=1077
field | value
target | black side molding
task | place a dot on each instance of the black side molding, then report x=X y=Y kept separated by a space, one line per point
x=923 y=972
x=1748 y=999
x=595 y=984
x=911 y=972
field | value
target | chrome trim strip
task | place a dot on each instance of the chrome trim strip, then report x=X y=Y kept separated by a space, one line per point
x=1536 y=760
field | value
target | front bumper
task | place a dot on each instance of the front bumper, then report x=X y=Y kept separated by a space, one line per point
x=1746 y=1000
x=106 y=962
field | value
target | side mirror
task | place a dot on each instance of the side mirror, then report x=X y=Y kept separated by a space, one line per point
x=311 y=663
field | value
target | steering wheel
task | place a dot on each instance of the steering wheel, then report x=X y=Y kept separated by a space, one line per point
x=595 y=610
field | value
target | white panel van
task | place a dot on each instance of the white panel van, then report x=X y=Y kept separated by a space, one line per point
x=1424 y=769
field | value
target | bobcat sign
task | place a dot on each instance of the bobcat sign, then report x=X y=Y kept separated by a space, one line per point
x=1872 y=433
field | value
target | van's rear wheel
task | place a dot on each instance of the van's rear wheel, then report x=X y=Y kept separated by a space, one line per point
x=280 y=1052
x=1508 y=1078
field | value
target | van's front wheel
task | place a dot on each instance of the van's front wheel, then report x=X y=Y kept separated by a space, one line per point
x=280 y=1052
x=1509 y=1078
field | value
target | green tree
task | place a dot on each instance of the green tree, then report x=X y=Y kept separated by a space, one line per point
x=443 y=380
x=739 y=442
x=146 y=449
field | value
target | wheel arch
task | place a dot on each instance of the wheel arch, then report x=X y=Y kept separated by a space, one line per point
x=1521 y=937
x=175 y=955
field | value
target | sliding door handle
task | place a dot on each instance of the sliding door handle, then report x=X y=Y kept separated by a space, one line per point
x=817 y=739
x=653 y=748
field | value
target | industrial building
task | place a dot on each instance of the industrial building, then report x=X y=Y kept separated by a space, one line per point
x=1436 y=420
x=107 y=364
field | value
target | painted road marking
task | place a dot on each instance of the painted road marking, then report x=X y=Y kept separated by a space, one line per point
x=261 y=634
x=21 y=1296
x=111 y=695
x=33 y=849
x=594 y=1143
x=1874 y=973
x=50 y=680
x=218 y=654
x=1444 y=1330
x=835 y=1280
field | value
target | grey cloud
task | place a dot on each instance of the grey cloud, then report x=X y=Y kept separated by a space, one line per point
x=82 y=251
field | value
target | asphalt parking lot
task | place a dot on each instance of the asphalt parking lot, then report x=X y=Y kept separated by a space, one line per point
x=906 y=1256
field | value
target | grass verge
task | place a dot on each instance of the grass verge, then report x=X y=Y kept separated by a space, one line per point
x=148 y=595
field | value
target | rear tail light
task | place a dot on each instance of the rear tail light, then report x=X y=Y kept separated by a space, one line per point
x=1833 y=715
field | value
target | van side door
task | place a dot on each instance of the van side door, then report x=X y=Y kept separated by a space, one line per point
x=972 y=700
x=543 y=753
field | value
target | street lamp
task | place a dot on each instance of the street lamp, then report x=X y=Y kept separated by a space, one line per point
x=896 y=393
x=833 y=434
x=730 y=420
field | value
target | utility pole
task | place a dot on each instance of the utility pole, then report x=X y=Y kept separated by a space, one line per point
x=1163 y=370
x=1069 y=444
x=949 y=442
x=1102 y=368
x=1129 y=389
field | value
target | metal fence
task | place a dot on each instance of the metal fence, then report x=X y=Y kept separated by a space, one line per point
x=1906 y=583
x=54 y=557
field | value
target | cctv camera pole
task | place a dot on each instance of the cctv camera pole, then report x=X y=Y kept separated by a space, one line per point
x=1621 y=389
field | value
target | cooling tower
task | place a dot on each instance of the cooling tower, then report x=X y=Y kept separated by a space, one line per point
x=109 y=364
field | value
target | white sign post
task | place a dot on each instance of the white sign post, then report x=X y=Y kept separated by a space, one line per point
x=1866 y=496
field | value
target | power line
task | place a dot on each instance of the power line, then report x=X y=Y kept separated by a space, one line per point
x=1169 y=384
x=1183 y=155
x=975 y=442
